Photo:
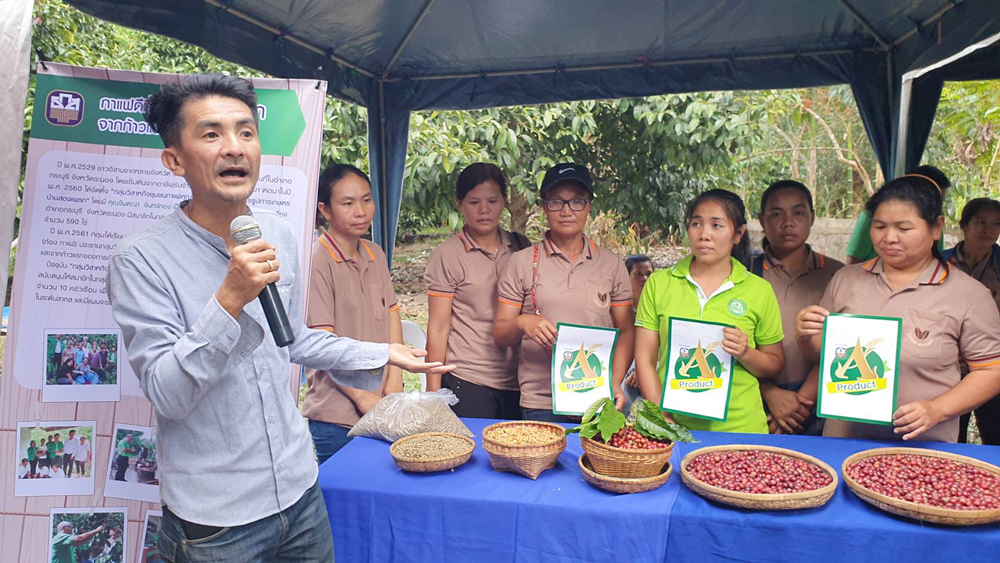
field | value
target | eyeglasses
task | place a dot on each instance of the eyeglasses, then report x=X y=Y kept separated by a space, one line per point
x=575 y=204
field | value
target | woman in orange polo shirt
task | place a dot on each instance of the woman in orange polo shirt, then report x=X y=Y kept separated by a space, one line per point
x=799 y=276
x=351 y=294
x=564 y=278
x=979 y=256
x=461 y=278
x=948 y=317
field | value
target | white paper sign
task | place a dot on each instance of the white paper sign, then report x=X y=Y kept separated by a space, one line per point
x=859 y=361
x=581 y=367
x=698 y=372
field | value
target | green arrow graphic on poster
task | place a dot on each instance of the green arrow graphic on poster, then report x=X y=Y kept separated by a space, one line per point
x=109 y=112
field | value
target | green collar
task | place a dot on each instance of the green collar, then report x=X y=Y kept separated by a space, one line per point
x=682 y=269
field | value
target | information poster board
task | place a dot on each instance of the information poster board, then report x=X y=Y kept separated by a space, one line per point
x=93 y=177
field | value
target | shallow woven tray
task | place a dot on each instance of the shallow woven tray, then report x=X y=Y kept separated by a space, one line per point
x=916 y=511
x=769 y=501
x=620 y=484
x=442 y=463
x=630 y=464
x=528 y=461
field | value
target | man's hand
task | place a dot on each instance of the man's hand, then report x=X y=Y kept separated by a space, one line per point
x=539 y=329
x=619 y=400
x=252 y=266
x=772 y=425
x=809 y=321
x=632 y=379
x=403 y=356
x=789 y=410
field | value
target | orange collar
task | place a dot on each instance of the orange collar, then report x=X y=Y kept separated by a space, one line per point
x=588 y=245
x=338 y=255
x=934 y=274
x=818 y=260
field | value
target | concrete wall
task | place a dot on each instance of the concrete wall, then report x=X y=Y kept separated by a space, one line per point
x=830 y=236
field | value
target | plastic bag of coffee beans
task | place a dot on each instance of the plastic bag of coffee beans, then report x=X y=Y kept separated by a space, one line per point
x=399 y=415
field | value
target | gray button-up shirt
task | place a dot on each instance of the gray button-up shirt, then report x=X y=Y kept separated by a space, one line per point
x=232 y=445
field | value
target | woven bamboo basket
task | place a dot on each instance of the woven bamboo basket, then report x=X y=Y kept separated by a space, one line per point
x=629 y=464
x=623 y=485
x=771 y=501
x=442 y=463
x=530 y=460
x=922 y=511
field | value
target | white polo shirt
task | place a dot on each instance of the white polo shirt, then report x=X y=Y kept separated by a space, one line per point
x=81 y=452
x=70 y=446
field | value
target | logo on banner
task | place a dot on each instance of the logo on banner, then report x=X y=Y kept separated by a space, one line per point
x=581 y=370
x=64 y=108
x=698 y=369
x=857 y=370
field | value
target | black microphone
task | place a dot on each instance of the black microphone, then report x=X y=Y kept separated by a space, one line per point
x=245 y=229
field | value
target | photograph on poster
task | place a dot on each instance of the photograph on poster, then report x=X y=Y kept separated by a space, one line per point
x=151 y=537
x=132 y=472
x=96 y=535
x=81 y=365
x=54 y=458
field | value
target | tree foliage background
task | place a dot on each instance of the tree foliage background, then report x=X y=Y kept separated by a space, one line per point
x=649 y=156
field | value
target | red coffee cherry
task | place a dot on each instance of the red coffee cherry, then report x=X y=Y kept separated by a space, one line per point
x=757 y=472
x=932 y=481
x=629 y=439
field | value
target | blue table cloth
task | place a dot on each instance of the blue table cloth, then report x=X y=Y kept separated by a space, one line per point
x=845 y=529
x=379 y=513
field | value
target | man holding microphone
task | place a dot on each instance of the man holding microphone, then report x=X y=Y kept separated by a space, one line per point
x=185 y=294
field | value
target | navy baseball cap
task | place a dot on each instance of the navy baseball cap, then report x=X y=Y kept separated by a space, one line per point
x=567 y=172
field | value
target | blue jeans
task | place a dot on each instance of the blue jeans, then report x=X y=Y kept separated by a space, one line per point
x=301 y=532
x=543 y=415
x=328 y=439
x=88 y=377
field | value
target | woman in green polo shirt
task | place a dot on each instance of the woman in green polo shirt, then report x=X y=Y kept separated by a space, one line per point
x=713 y=284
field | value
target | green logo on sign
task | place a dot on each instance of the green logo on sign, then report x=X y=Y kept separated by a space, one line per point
x=857 y=370
x=581 y=370
x=698 y=369
x=737 y=307
x=113 y=114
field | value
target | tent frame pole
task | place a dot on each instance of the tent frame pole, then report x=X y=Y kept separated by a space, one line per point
x=933 y=18
x=903 y=130
x=864 y=23
x=625 y=66
x=906 y=94
x=383 y=166
x=406 y=39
